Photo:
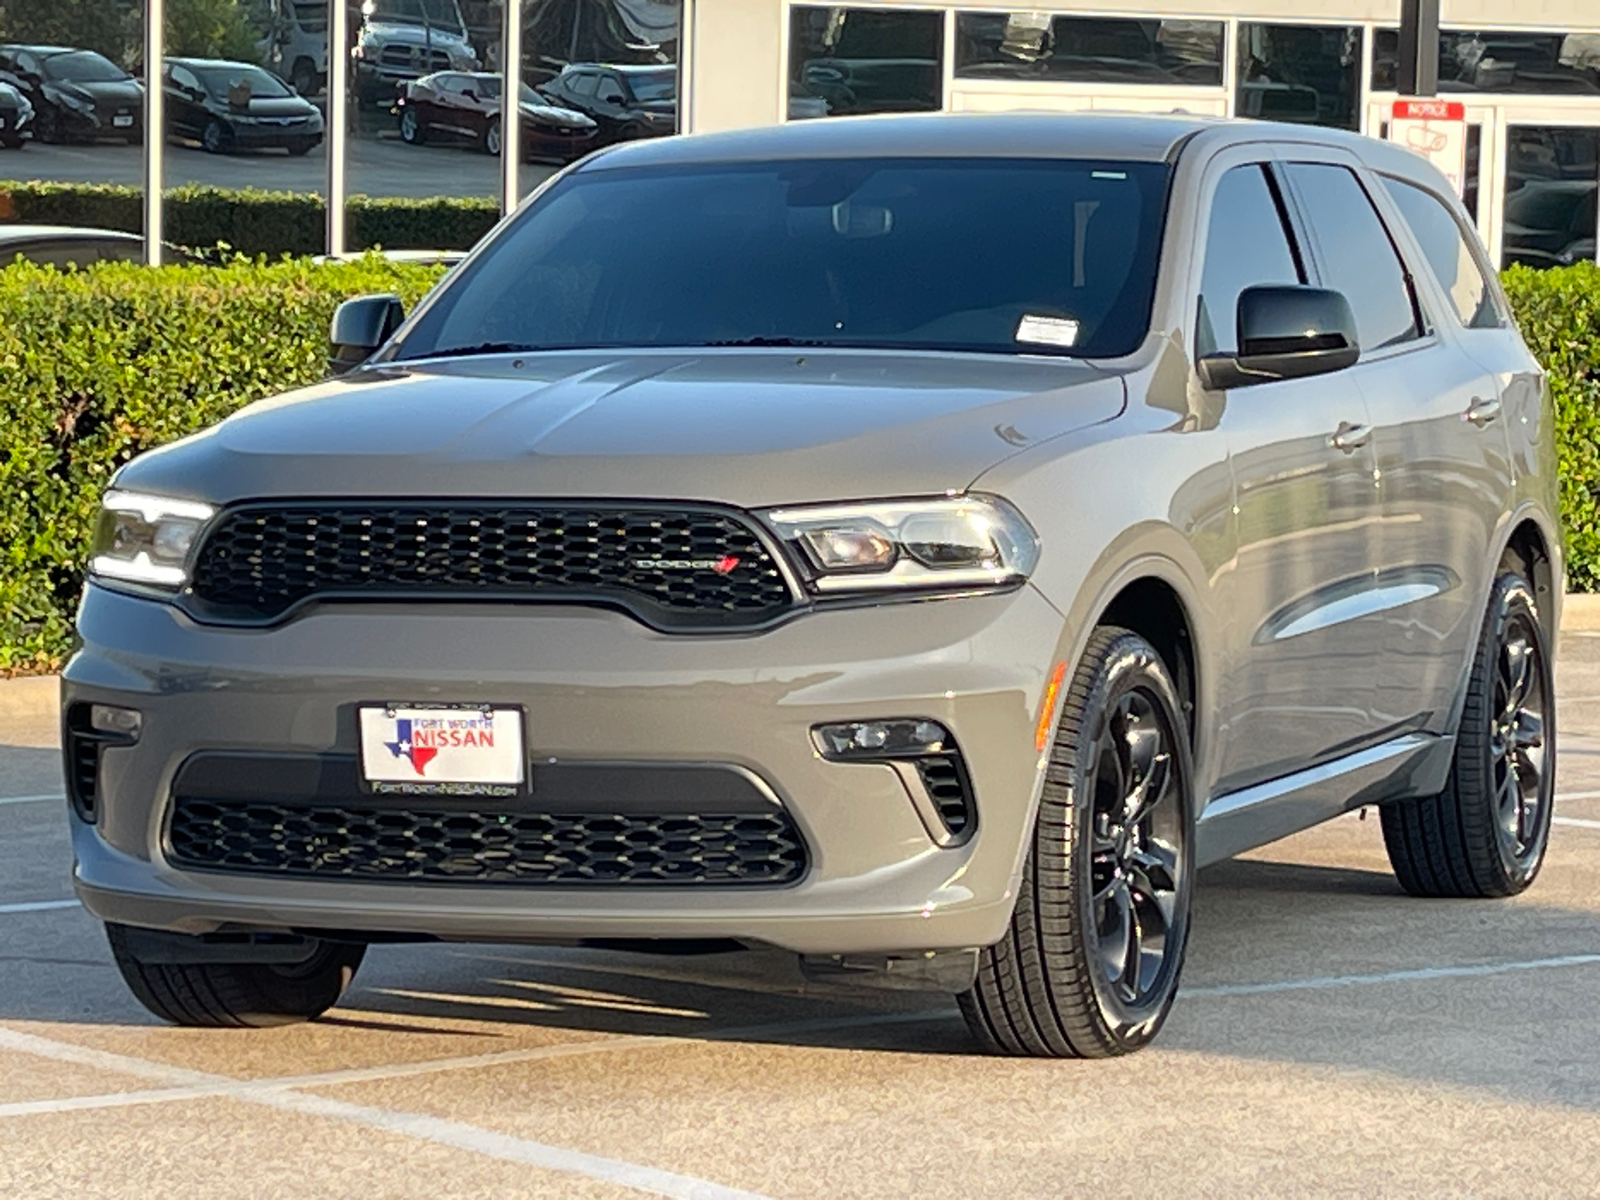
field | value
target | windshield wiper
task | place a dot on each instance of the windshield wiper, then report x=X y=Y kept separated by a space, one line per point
x=771 y=341
x=480 y=348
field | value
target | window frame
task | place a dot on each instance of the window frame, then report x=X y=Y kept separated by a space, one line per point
x=1424 y=327
x=1475 y=249
x=1262 y=162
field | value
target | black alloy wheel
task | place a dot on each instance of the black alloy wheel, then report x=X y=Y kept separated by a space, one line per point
x=1486 y=833
x=1090 y=964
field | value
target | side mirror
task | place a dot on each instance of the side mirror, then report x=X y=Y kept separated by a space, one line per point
x=359 y=327
x=1285 y=333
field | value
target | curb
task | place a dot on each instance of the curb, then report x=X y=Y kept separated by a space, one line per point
x=1580 y=613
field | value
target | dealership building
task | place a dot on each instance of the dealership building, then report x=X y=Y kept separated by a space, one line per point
x=1525 y=79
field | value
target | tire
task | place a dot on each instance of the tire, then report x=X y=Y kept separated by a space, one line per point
x=303 y=77
x=491 y=138
x=301 y=148
x=1486 y=833
x=47 y=126
x=215 y=138
x=1051 y=986
x=412 y=130
x=12 y=143
x=234 y=994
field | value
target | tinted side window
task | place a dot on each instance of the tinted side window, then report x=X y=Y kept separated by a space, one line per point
x=1448 y=252
x=583 y=83
x=1246 y=246
x=1355 y=253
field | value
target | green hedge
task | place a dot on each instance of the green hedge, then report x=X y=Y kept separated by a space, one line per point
x=1559 y=314
x=96 y=366
x=253 y=221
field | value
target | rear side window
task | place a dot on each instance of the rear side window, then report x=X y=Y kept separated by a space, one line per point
x=1355 y=253
x=1246 y=246
x=1449 y=253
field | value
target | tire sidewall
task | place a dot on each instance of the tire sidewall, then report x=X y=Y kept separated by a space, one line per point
x=1130 y=664
x=1511 y=597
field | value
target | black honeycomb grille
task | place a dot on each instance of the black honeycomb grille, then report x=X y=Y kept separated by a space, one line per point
x=668 y=566
x=412 y=845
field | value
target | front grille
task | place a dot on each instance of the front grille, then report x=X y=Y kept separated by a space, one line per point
x=669 y=566
x=416 y=845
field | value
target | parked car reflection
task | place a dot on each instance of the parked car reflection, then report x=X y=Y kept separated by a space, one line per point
x=464 y=107
x=77 y=95
x=229 y=106
x=1551 y=222
x=16 y=114
x=625 y=102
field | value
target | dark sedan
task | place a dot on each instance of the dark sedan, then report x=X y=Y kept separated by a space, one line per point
x=77 y=95
x=16 y=114
x=464 y=106
x=228 y=106
x=626 y=102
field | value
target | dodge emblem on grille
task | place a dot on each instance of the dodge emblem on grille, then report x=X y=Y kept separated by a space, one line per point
x=721 y=565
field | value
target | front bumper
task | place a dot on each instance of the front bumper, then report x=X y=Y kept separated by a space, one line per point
x=596 y=686
x=262 y=137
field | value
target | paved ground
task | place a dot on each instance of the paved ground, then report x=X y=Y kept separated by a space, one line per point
x=1332 y=1037
x=377 y=166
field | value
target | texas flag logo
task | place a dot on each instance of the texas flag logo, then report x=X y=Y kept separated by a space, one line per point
x=405 y=746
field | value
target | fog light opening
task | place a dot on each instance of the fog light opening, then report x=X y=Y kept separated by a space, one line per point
x=121 y=723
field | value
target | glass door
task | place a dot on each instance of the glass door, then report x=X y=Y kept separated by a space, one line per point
x=1550 y=181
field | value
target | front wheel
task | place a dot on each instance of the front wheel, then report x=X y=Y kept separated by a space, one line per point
x=215 y=137
x=491 y=137
x=1089 y=967
x=252 y=995
x=1486 y=833
x=412 y=132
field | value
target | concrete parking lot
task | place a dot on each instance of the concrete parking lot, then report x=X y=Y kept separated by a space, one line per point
x=377 y=166
x=1332 y=1037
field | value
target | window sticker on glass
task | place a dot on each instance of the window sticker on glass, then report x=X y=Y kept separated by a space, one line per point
x=1047 y=331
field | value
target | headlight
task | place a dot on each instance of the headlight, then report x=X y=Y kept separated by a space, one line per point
x=76 y=103
x=953 y=542
x=147 y=539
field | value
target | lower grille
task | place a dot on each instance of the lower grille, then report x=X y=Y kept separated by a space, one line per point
x=415 y=845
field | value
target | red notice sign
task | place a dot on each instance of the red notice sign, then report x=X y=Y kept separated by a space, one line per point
x=1430 y=110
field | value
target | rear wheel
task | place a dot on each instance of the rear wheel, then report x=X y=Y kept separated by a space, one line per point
x=238 y=993
x=491 y=137
x=1089 y=967
x=1486 y=833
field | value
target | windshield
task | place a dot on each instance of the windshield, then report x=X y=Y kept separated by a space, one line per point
x=488 y=86
x=996 y=255
x=83 y=66
x=220 y=81
x=441 y=13
x=653 y=86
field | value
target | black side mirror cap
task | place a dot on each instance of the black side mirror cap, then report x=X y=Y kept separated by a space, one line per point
x=1285 y=332
x=359 y=327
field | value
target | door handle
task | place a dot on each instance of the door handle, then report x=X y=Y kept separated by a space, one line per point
x=1480 y=412
x=1350 y=437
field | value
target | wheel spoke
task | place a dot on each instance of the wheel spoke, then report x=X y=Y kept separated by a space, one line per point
x=1515 y=675
x=1508 y=804
x=1528 y=732
x=1150 y=789
x=1115 y=930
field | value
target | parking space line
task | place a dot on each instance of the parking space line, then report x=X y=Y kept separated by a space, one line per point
x=1404 y=976
x=458 y=1134
x=30 y=906
x=1560 y=796
x=1576 y=822
x=56 y=796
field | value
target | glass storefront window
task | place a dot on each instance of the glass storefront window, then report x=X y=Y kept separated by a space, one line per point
x=1552 y=180
x=1034 y=45
x=864 y=60
x=1530 y=63
x=1307 y=74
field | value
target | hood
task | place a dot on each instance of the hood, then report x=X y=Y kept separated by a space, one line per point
x=415 y=35
x=743 y=427
x=552 y=115
x=276 y=106
x=110 y=92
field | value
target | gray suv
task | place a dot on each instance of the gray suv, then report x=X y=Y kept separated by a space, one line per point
x=916 y=542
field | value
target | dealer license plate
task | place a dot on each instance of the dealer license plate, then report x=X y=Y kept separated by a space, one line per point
x=122 y=122
x=417 y=750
